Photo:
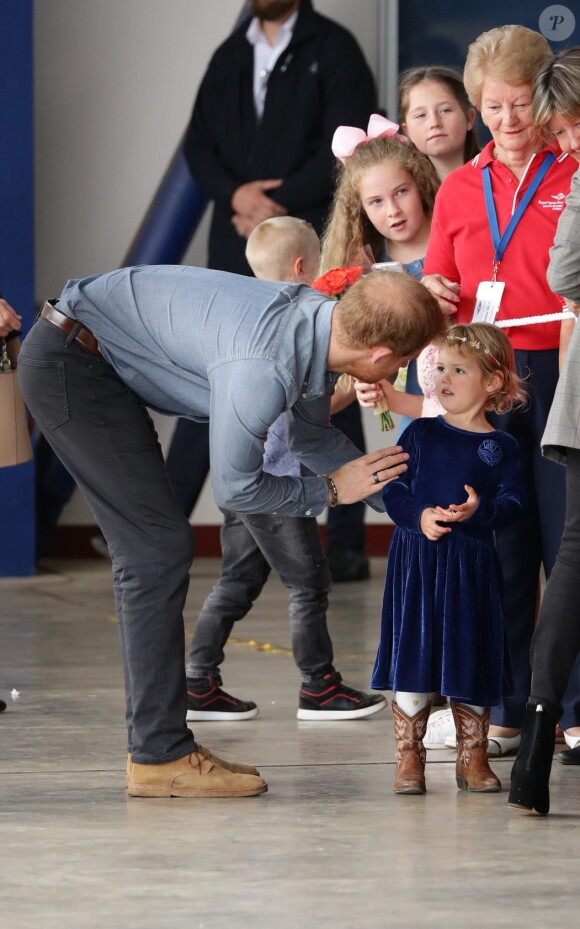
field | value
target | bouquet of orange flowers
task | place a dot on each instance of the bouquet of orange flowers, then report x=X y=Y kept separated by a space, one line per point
x=335 y=283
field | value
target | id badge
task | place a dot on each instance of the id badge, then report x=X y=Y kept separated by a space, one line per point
x=487 y=301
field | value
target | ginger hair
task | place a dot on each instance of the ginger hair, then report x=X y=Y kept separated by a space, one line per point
x=392 y=310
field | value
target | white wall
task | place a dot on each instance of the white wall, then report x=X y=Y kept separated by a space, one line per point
x=115 y=83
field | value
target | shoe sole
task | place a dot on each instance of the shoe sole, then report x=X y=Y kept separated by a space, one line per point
x=323 y=716
x=462 y=784
x=525 y=809
x=200 y=716
x=142 y=790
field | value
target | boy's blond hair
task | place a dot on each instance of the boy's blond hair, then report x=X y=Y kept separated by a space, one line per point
x=275 y=245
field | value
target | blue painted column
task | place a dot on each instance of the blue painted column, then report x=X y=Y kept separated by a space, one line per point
x=17 y=540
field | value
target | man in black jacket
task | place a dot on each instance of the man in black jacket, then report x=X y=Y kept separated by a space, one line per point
x=258 y=145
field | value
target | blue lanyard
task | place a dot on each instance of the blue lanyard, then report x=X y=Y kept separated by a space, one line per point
x=500 y=243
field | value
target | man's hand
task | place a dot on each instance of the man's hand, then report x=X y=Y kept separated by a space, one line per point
x=446 y=292
x=9 y=318
x=368 y=474
x=458 y=513
x=243 y=225
x=251 y=200
x=430 y=526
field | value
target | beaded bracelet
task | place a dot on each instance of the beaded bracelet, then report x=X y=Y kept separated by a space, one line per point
x=332 y=490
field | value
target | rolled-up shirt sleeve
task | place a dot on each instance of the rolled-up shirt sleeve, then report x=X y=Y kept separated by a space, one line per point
x=318 y=444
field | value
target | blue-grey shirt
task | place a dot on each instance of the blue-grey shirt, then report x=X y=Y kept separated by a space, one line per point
x=235 y=350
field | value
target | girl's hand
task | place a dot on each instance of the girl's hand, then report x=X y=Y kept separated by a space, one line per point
x=9 y=318
x=458 y=513
x=368 y=395
x=429 y=524
x=446 y=292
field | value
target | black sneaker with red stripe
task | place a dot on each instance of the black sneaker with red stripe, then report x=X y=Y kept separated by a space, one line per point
x=207 y=701
x=330 y=699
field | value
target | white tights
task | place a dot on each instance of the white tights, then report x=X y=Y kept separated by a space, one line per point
x=411 y=704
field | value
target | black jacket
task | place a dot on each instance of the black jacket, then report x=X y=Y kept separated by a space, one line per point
x=319 y=82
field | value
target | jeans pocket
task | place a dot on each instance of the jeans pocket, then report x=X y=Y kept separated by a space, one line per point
x=43 y=386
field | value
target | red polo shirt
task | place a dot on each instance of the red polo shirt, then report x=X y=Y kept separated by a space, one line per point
x=460 y=245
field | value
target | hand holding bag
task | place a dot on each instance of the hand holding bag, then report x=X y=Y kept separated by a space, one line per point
x=15 y=447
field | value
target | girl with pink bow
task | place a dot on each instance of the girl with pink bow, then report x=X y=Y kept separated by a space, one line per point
x=383 y=199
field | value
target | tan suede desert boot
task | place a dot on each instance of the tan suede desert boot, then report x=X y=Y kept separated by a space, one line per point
x=234 y=766
x=193 y=775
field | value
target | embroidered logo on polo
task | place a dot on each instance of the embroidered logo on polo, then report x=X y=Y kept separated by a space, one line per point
x=556 y=202
x=489 y=452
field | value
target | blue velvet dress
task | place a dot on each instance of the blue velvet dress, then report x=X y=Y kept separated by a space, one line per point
x=442 y=627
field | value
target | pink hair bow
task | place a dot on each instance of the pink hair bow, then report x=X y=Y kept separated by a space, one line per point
x=346 y=138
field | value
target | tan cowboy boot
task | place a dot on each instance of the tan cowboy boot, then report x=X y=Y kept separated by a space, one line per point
x=235 y=767
x=472 y=770
x=194 y=775
x=410 y=755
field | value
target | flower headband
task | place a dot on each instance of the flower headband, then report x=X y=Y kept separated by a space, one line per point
x=476 y=345
x=346 y=138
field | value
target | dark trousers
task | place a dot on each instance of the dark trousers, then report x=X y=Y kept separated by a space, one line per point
x=556 y=642
x=251 y=547
x=105 y=438
x=345 y=524
x=533 y=540
x=187 y=462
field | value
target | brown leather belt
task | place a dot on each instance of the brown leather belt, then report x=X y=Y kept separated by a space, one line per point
x=84 y=335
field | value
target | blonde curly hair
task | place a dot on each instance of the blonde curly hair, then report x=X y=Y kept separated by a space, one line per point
x=348 y=228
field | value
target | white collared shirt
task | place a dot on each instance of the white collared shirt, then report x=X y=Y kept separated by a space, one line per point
x=266 y=55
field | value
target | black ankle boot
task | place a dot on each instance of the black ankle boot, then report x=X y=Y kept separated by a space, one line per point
x=531 y=771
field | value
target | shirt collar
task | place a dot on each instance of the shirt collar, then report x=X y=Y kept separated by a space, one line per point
x=254 y=33
x=485 y=157
x=318 y=381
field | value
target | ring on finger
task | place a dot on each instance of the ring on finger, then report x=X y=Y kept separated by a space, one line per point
x=376 y=478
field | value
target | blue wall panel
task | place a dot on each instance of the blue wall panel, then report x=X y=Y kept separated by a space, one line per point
x=17 y=549
x=440 y=33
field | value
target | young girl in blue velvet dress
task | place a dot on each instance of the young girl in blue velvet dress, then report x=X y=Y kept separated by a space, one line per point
x=442 y=626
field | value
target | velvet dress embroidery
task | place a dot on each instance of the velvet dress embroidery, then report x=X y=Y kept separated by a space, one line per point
x=442 y=627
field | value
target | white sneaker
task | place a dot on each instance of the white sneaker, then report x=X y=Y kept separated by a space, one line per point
x=572 y=741
x=496 y=745
x=440 y=727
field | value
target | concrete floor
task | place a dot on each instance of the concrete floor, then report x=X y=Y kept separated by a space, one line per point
x=328 y=845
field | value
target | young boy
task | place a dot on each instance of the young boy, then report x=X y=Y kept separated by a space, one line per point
x=287 y=249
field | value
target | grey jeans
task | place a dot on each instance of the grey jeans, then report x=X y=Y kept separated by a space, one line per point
x=104 y=437
x=251 y=547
